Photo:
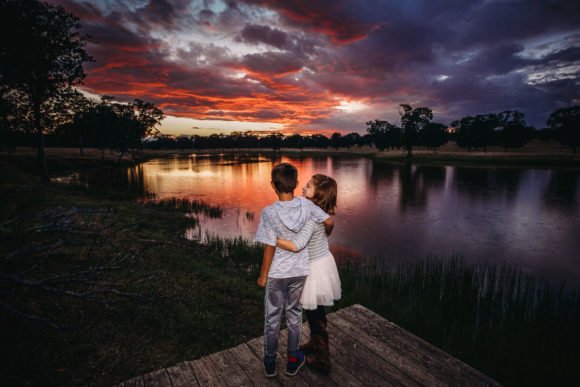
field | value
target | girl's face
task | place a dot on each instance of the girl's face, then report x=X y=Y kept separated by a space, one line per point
x=308 y=190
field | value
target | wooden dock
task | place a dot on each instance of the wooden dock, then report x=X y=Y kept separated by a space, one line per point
x=365 y=349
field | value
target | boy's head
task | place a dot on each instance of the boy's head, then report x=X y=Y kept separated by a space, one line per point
x=285 y=177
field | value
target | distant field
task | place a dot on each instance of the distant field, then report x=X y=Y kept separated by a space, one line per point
x=536 y=153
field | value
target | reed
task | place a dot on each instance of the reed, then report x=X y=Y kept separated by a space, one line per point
x=194 y=206
x=518 y=329
x=245 y=255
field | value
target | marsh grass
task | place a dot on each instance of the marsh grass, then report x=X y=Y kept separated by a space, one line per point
x=518 y=329
x=245 y=255
x=189 y=205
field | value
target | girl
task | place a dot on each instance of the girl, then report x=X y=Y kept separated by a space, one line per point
x=322 y=285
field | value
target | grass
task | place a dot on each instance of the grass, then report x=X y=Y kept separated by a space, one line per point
x=520 y=330
x=188 y=205
x=179 y=300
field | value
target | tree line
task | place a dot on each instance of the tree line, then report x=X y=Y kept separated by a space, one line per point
x=507 y=129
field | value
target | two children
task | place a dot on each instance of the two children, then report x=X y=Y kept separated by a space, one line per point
x=284 y=272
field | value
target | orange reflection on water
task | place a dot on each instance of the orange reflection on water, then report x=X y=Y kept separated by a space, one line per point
x=393 y=212
x=241 y=186
x=225 y=180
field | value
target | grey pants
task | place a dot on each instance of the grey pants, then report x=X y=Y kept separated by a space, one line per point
x=282 y=293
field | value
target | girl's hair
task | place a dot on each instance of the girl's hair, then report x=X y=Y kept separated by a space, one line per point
x=325 y=192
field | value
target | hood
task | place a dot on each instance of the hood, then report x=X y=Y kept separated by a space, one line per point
x=293 y=213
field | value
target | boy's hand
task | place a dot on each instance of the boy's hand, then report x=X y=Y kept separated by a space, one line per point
x=266 y=263
x=262 y=281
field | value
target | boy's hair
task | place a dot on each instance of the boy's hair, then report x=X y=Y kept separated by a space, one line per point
x=285 y=177
x=325 y=192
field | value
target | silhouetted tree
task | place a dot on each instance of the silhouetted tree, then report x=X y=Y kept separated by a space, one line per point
x=514 y=133
x=294 y=141
x=412 y=121
x=476 y=132
x=351 y=139
x=544 y=134
x=566 y=125
x=383 y=134
x=273 y=141
x=433 y=135
x=40 y=56
x=336 y=140
x=365 y=140
x=319 y=141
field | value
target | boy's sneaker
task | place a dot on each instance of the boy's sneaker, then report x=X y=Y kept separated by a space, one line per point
x=270 y=368
x=294 y=364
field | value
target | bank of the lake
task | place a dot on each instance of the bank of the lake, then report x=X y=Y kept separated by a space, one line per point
x=131 y=295
x=128 y=294
x=536 y=153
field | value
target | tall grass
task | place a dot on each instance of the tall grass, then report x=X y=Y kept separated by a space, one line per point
x=188 y=205
x=518 y=329
x=242 y=253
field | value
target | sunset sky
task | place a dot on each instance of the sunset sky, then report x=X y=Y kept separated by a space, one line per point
x=324 y=66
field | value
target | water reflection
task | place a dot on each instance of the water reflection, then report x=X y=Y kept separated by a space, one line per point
x=389 y=211
x=562 y=190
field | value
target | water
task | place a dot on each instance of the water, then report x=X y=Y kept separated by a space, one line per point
x=391 y=212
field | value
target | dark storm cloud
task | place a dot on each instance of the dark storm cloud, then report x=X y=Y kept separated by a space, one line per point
x=254 y=34
x=337 y=18
x=272 y=63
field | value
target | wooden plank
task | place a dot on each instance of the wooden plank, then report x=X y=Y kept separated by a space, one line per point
x=135 y=382
x=385 y=331
x=411 y=348
x=365 y=349
x=411 y=367
x=367 y=364
x=181 y=375
x=205 y=376
x=339 y=376
x=408 y=347
x=158 y=378
x=252 y=365
x=349 y=363
x=456 y=366
x=229 y=369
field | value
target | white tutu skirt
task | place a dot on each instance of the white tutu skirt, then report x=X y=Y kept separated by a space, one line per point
x=322 y=286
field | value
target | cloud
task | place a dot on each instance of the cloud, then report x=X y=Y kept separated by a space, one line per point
x=255 y=34
x=292 y=62
x=336 y=19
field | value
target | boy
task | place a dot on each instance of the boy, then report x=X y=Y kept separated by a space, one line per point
x=283 y=272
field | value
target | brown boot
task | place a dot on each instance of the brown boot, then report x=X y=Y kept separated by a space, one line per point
x=309 y=347
x=320 y=361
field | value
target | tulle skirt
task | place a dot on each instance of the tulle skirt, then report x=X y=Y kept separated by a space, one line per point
x=322 y=286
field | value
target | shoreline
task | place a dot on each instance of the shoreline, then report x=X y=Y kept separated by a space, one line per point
x=535 y=154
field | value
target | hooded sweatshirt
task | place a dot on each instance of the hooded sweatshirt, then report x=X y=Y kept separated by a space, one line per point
x=283 y=220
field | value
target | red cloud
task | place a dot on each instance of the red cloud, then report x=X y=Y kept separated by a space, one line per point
x=331 y=18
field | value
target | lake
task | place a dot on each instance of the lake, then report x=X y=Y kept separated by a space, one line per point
x=387 y=212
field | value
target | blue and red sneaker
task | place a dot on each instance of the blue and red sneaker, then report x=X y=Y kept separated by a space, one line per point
x=295 y=363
